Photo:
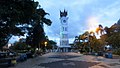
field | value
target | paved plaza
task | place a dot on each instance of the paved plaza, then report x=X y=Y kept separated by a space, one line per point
x=69 y=60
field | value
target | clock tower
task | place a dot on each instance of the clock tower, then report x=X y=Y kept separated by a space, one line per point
x=64 y=41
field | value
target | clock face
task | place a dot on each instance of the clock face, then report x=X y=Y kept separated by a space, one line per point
x=64 y=21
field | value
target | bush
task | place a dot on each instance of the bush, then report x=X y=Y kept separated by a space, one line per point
x=117 y=51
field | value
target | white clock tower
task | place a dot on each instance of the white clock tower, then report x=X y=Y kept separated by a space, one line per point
x=64 y=41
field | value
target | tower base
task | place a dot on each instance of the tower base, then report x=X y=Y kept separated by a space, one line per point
x=64 y=49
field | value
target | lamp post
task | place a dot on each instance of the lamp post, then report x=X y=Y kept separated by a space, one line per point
x=45 y=45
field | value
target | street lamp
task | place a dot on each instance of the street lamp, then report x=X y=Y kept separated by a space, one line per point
x=45 y=45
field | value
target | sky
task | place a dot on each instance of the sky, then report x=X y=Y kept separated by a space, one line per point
x=84 y=15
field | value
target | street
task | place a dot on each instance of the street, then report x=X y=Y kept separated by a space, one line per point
x=68 y=60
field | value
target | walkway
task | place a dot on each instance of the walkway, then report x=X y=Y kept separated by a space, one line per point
x=69 y=60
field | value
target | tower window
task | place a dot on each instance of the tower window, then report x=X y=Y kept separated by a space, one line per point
x=65 y=28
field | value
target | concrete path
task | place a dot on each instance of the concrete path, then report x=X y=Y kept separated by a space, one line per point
x=68 y=60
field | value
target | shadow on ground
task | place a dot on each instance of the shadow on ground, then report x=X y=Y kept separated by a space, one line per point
x=63 y=57
x=68 y=64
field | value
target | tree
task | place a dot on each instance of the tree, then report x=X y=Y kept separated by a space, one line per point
x=12 y=13
x=51 y=44
x=36 y=34
x=15 y=13
x=77 y=43
x=92 y=44
x=20 y=45
x=112 y=34
x=100 y=29
x=80 y=42
x=114 y=40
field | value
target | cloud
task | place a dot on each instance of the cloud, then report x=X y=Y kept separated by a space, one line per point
x=82 y=15
x=108 y=12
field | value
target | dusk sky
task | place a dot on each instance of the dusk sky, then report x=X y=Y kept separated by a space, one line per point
x=83 y=15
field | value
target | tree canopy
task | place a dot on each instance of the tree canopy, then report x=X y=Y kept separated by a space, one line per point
x=21 y=12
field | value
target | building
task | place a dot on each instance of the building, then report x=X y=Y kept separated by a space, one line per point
x=64 y=40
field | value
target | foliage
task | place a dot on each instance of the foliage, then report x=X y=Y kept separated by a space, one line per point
x=20 y=46
x=114 y=37
x=109 y=36
x=100 y=29
x=12 y=13
x=36 y=35
x=22 y=12
x=113 y=34
x=116 y=51
x=97 y=45
x=77 y=43
x=51 y=44
x=89 y=42
x=114 y=40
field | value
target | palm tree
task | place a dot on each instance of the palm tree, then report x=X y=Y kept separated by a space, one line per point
x=85 y=45
x=76 y=41
x=100 y=29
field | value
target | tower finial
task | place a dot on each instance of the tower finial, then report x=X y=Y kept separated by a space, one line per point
x=64 y=13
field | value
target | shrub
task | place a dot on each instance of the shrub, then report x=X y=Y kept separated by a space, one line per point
x=117 y=51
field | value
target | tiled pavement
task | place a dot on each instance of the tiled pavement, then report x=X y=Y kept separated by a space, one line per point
x=69 y=60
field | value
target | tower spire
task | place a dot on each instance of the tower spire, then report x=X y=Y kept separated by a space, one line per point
x=64 y=40
x=64 y=13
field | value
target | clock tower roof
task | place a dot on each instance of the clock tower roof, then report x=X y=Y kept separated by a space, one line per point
x=64 y=13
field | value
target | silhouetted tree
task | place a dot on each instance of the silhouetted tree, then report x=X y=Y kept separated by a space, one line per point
x=13 y=13
x=24 y=13
x=36 y=35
